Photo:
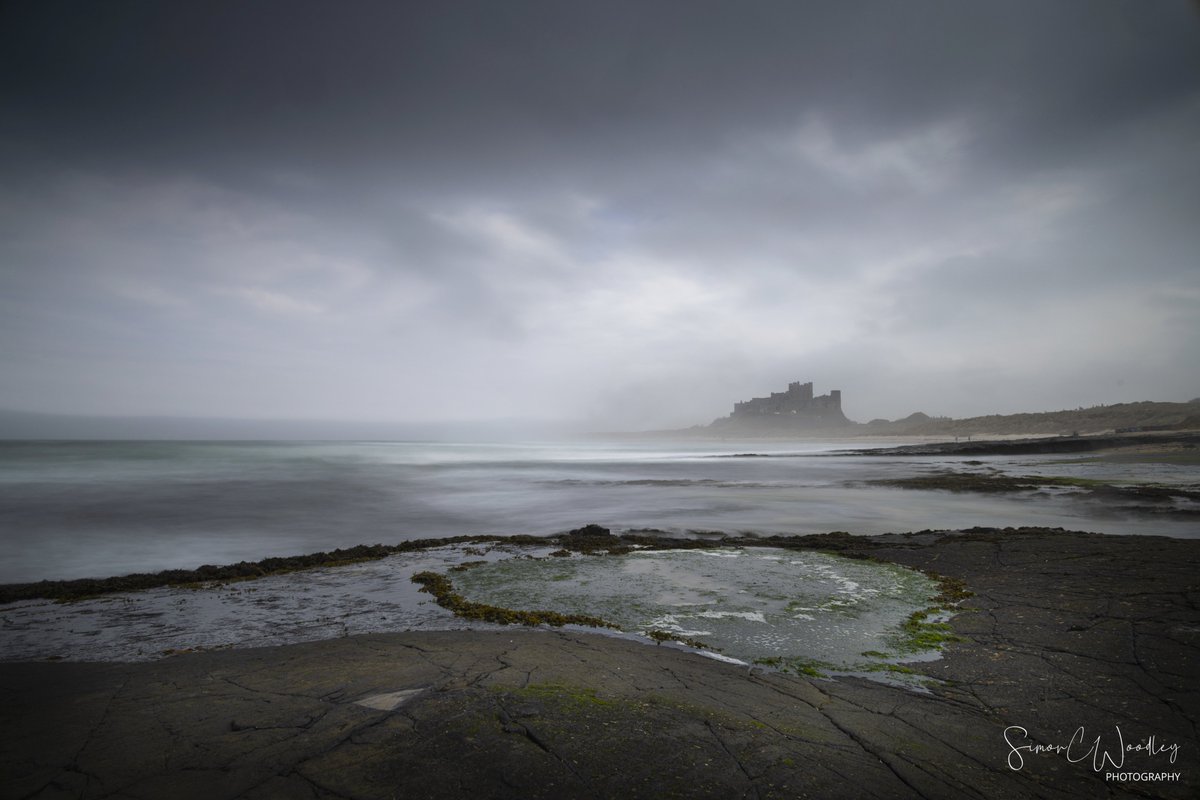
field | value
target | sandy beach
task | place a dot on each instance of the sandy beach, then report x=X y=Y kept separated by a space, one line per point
x=1074 y=678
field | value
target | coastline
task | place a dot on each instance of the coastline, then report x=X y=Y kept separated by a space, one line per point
x=1150 y=442
x=1018 y=441
x=78 y=511
x=1065 y=631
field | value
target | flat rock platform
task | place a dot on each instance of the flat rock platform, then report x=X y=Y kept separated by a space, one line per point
x=1080 y=651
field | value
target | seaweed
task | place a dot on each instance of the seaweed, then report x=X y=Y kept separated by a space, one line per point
x=996 y=483
x=466 y=565
x=84 y=588
x=660 y=636
x=443 y=592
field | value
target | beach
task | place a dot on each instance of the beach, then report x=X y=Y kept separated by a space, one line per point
x=1073 y=678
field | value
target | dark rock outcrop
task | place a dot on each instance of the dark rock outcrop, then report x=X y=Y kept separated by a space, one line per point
x=1067 y=636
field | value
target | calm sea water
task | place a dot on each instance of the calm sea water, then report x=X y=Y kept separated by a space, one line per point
x=76 y=509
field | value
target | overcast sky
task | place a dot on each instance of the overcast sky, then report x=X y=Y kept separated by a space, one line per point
x=628 y=213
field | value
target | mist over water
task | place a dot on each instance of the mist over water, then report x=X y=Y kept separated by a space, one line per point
x=93 y=509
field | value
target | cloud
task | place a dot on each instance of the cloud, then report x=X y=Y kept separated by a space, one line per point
x=919 y=161
x=611 y=211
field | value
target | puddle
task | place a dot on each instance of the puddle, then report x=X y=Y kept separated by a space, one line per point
x=325 y=603
x=801 y=611
x=763 y=605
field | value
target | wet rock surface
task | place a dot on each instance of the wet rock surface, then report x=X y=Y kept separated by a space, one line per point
x=1065 y=631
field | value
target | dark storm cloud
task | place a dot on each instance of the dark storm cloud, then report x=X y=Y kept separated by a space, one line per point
x=360 y=80
x=377 y=208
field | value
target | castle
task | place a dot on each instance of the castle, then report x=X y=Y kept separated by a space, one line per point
x=797 y=403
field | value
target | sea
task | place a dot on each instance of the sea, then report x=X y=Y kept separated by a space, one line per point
x=97 y=508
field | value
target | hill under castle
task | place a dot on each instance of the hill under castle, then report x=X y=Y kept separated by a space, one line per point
x=797 y=412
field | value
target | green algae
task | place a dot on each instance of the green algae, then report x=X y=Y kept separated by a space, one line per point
x=799 y=666
x=561 y=693
x=573 y=704
x=921 y=634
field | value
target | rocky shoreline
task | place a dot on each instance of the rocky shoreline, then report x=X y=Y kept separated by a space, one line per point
x=1044 y=445
x=1065 y=632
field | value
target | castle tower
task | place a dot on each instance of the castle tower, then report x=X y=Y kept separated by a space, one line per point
x=803 y=390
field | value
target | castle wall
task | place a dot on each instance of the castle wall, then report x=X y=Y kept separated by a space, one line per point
x=798 y=400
